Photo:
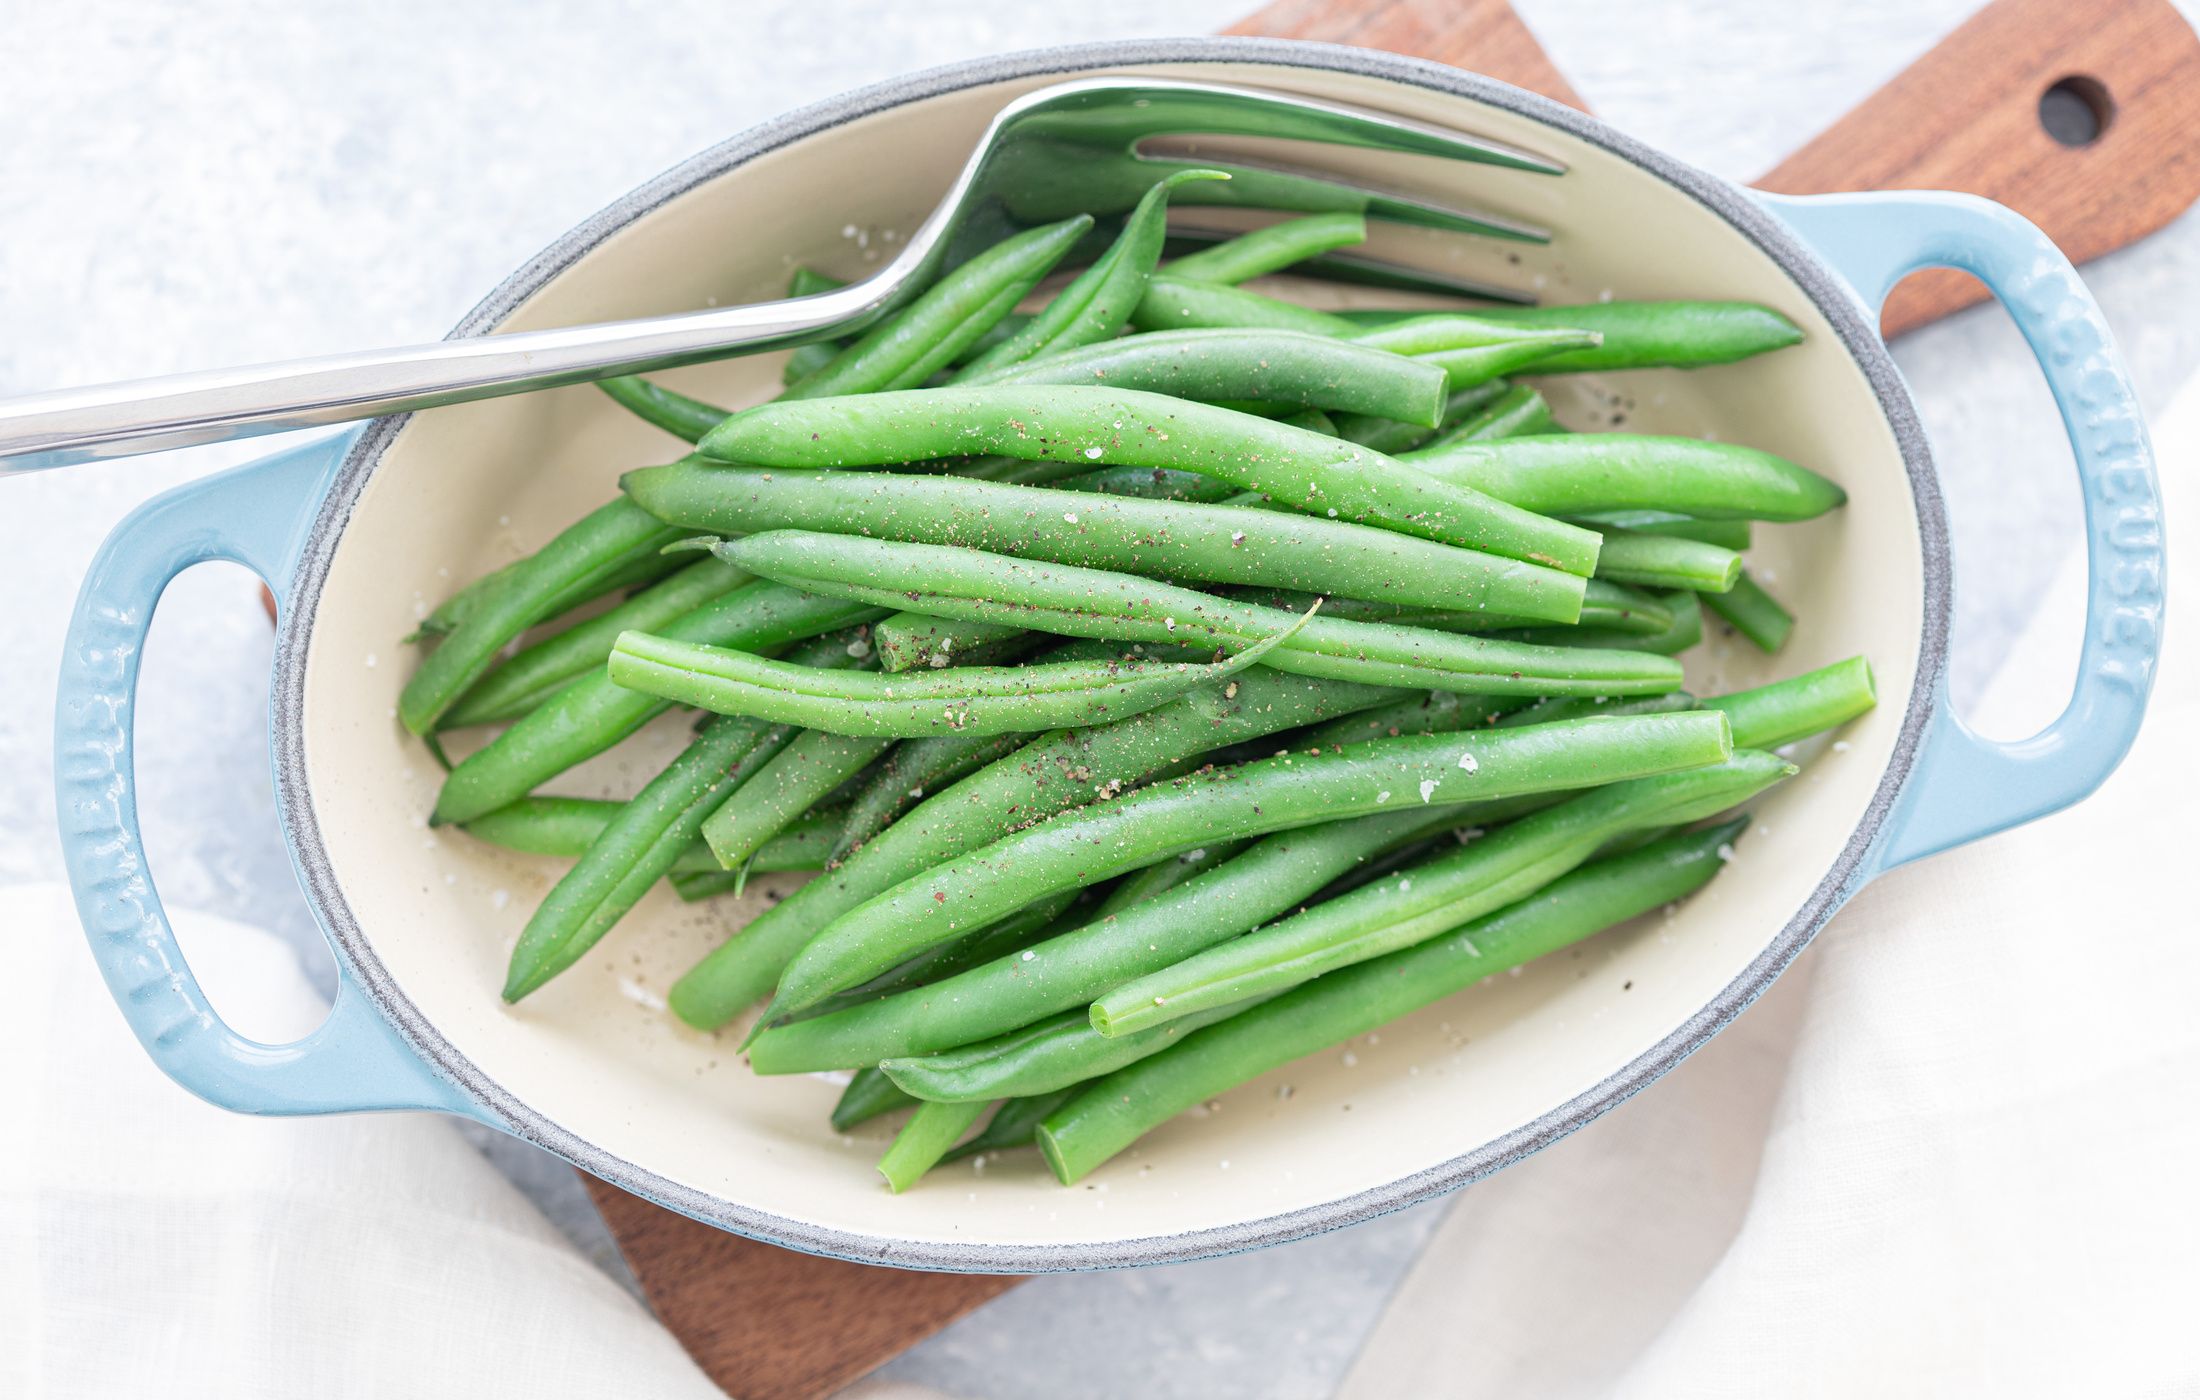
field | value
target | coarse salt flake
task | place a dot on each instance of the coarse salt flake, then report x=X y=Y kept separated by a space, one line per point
x=1467 y=763
x=1092 y=454
x=1428 y=788
x=1381 y=798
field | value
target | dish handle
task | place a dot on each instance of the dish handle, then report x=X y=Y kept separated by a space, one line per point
x=257 y=516
x=1963 y=786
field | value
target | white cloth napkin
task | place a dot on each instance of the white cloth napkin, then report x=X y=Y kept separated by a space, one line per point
x=153 y=1245
x=1955 y=1151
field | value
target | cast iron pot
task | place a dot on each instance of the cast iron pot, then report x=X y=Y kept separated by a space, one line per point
x=359 y=533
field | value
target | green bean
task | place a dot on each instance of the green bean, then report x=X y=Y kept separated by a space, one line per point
x=1269 y=877
x=1042 y=1058
x=807 y=281
x=1642 y=334
x=793 y=782
x=1784 y=711
x=806 y=844
x=455 y=609
x=675 y=412
x=931 y=332
x=1727 y=534
x=597 y=544
x=593 y=713
x=1299 y=468
x=1519 y=412
x=1391 y=437
x=912 y=641
x=1667 y=561
x=564 y=826
x=867 y=1096
x=1583 y=706
x=1050 y=774
x=1754 y=613
x=1177 y=304
x=1604 y=604
x=927 y=1137
x=1441 y=712
x=1253 y=367
x=639 y=568
x=1471 y=350
x=1214 y=544
x=1011 y=1125
x=1098 y=304
x=1685 y=630
x=1121 y=607
x=999 y=939
x=539 y=672
x=1494 y=870
x=637 y=848
x=1431 y=712
x=915 y=767
x=807 y=360
x=914 y=704
x=1004 y=329
x=1271 y=249
x=1574 y=473
x=1099 y=842
x=1153 y=484
x=1116 y=1111
x=1165 y=875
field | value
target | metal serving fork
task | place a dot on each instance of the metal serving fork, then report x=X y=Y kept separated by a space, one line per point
x=1069 y=147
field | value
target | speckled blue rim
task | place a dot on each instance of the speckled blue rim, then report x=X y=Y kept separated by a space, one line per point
x=497 y=1106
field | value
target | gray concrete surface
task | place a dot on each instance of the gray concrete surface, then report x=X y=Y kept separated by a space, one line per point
x=188 y=184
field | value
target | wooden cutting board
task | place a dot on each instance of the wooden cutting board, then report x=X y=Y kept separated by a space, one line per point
x=770 y=1324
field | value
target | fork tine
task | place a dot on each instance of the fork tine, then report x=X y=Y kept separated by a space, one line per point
x=1039 y=181
x=1273 y=185
x=1124 y=110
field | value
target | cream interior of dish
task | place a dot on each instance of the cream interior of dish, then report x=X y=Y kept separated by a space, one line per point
x=466 y=489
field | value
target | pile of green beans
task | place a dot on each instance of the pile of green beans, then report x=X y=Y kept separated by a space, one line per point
x=1161 y=681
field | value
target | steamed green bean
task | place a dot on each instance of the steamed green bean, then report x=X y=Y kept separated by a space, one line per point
x=539 y=672
x=1754 y=613
x=795 y=780
x=1578 y=473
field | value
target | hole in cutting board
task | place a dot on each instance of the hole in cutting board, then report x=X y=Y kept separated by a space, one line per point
x=2077 y=110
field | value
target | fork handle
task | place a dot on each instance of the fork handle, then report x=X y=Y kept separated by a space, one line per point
x=185 y=410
